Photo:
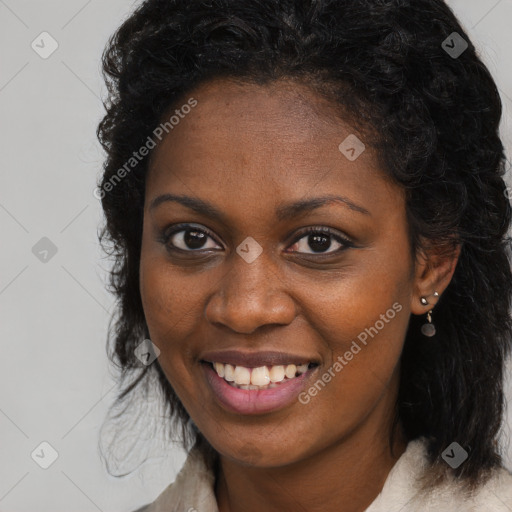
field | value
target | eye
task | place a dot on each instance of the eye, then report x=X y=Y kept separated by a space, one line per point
x=319 y=240
x=313 y=240
x=189 y=238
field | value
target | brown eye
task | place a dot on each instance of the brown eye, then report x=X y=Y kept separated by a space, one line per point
x=320 y=241
x=189 y=238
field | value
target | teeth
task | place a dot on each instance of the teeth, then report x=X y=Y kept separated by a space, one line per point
x=303 y=368
x=242 y=375
x=262 y=377
x=219 y=368
x=277 y=373
x=290 y=371
x=229 y=372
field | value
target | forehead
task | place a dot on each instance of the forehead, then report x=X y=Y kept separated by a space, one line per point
x=261 y=141
x=232 y=117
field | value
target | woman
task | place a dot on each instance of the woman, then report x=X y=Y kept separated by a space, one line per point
x=306 y=205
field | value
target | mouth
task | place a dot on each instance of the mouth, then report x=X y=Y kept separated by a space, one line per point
x=258 y=383
x=261 y=377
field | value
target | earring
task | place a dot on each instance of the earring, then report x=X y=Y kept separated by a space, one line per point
x=428 y=329
x=424 y=300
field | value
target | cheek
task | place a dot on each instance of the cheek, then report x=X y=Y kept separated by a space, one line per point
x=342 y=307
x=365 y=337
x=362 y=319
x=170 y=300
x=168 y=304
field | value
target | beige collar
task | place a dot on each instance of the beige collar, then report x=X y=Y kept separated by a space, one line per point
x=193 y=489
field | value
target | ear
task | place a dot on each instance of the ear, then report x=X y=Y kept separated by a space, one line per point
x=434 y=268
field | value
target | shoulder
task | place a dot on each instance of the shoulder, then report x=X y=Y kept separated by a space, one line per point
x=495 y=495
x=402 y=489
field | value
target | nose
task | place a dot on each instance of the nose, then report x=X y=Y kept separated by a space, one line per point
x=250 y=295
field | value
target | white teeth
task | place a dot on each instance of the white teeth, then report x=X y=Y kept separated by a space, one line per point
x=276 y=373
x=290 y=371
x=303 y=368
x=260 y=376
x=242 y=375
x=229 y=372
x=219 y=368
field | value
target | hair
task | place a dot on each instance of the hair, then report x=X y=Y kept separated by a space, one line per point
x=435 y=122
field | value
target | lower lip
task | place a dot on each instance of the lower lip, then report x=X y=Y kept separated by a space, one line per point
x=255 y=401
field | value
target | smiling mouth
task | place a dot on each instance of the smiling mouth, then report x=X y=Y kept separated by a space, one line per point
x=262 y=377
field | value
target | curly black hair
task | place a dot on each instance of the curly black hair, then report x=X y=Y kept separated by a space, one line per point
x=434 y=118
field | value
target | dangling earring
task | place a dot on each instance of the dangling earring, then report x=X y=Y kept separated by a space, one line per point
x=428 y=329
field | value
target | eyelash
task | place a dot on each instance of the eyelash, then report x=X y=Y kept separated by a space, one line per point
x=345 y=242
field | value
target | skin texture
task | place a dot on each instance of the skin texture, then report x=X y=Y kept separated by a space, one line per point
x=247 y=149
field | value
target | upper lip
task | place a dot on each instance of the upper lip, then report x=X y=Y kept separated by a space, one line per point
x=255 y=359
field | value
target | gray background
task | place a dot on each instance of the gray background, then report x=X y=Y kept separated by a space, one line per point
x=55 y=381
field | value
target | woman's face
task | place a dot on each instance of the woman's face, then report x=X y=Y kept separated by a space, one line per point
x=245 y=284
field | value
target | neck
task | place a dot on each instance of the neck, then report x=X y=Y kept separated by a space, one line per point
x=352 y=472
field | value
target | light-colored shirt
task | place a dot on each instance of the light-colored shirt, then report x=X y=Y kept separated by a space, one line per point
x=193 y=489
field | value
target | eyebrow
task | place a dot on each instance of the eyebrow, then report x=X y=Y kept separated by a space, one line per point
x=283 y=212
